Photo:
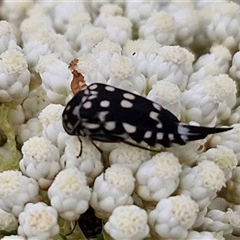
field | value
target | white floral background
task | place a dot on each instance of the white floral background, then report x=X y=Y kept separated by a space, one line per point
x=184 y=55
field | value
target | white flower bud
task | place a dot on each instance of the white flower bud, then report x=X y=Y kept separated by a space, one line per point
x=69 y=194
x=119 y=29
x=202 y=182
x=16 y=190
x=15 y=77
x=7 y=38
x=158 y=177
x=159 y=26
x=128 y=223
x=223 y=156
x=51 y=120
x=40 y=160
x=89 y=162
x=7 y=221
x=124 y=74
x=35 y=102
x=56 y=78
x=31 y=128
x=173 y=217
x=38 y=221
x=111 y=189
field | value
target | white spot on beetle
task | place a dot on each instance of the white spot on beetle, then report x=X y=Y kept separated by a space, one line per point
x=154 y=115
x=102 y=115
x=159 y=135
x=110 y=125
x=182 y=130
x=91 y=125
x=126 y=104
x=129 y=128
x=171 y=136
x=129 y=96
x=157 y=106
x=147 y=134
x=87 y=105
x=104 y=103
x=110 y=88
x=159 y=125
x=93 y=86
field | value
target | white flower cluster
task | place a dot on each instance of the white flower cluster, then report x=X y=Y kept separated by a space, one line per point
x=182 y=55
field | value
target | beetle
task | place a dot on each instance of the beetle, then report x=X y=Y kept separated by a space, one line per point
x=108 y=114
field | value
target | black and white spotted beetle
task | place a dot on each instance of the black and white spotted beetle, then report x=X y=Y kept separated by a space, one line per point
x=109 y=114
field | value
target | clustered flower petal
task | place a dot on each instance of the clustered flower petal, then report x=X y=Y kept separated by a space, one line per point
x=16 y=190
x=111 y=189
x=158 y=177
x=183 y=55
x=38 y=221
x=40 y=160
x=69 y=193
x=127 y=222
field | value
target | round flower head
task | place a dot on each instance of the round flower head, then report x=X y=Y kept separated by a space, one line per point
x=69 y=194
x=38 y=221
x=175 y=60
x=56 y=78
x=124 y=74
x=111 y=189
x=223 y=156
x=106 y=11
x=138 y=12
x=14 y=12
x=158 y=177
x=89 y=37
x=37 y=17
x=89 y=162
x=201 y=102
x=119 y=29
x=35 y=102
x=51 y=120
x=159 y=26
x=15 y=77
x=7 y=38
x=61 y=19
x=202 y=182
x=103 y=52
x=77 y=22
x=39 y=43
x=7 y=221
x=31 y=128
x=16 y=190
x=128 y=156
x=215 y=221
x=186 y=22
x=40 y=160
x=127 y=222
x=173 y=217
x=218 y=60
x=224 y=25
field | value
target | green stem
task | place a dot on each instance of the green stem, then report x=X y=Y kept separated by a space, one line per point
x=9 y=132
